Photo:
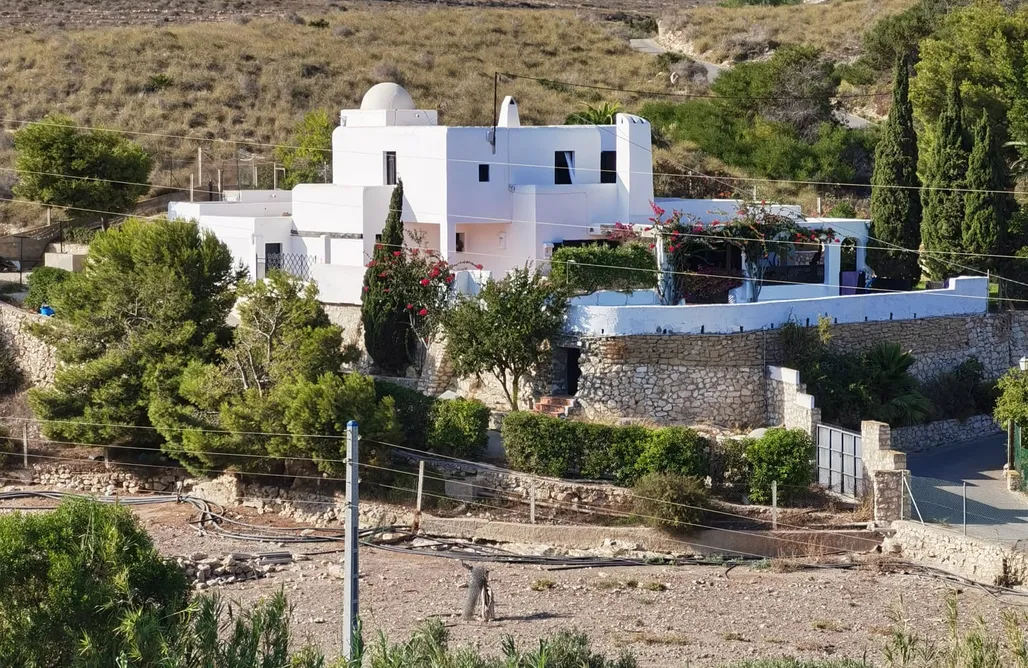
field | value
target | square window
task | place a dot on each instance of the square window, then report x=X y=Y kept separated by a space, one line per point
x=460 y=242
x=483 y=173
x=390 y=168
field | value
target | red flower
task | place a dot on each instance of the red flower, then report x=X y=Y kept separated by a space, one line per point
x=652 y=245
x=410 y=306
x=478 y=266
x=423 y=311
x=370 y=264
x=378 y=246
x=365 y=288
x=385 y=289
x=424 y=281
x=383 y=274
x=414 y=252
x=433 y=273
x=397 y=253
x=449 y=279
x=656 y=209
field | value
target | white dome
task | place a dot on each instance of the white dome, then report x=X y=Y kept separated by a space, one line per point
x=387 y=96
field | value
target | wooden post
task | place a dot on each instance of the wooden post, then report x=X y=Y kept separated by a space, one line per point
x=219 y=185
x=531 y=504
x=25 y=445
x=191 y=179
x=421 y=483
x=774 y=504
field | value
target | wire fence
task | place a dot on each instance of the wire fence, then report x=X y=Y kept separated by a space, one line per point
x=980 y=509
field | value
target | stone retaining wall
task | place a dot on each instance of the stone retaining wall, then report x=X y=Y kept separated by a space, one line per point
x=103 y=482
x=788 y=403
x=471 y=482
x=944 y=432
x=37 y=360
x=981 y=561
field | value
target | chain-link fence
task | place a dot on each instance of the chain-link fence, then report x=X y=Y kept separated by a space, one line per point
x=984 y=510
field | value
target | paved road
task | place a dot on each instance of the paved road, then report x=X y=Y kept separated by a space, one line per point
x=993 y=513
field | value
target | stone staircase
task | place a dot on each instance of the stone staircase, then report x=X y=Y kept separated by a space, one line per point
x=555 y=405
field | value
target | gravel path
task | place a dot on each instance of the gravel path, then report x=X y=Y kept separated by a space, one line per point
x=694 y=616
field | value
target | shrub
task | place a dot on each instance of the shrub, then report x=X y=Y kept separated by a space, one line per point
x=564 y=448
x=42 y=282
x=69 y=578
x=674 y=450
x=625 y=267
x=669 y=501
x=10 y=373
x=729 y=469
x=541 y=444
x=961 y=393
x=459 y=428
x=413 y=411
x=782 y=455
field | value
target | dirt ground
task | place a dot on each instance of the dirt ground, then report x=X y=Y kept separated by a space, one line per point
x=667 y=616
x=80 y=13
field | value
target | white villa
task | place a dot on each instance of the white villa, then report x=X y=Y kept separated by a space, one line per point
x=497 y=197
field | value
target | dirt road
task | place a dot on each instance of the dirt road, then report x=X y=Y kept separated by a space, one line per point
x=696 y=616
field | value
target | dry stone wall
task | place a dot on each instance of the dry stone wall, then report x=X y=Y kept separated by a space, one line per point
x=981 y=561
x=103 y=482
x=944 y=432
x=685 y=379
x=37 y=360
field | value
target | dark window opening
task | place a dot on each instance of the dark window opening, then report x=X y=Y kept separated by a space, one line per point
x=378 y=238
x=483 y=173
x=574 y=370
x=460 y=242
x=272 y=256
x=608 y=166
x=390 y=168
x=563 y=165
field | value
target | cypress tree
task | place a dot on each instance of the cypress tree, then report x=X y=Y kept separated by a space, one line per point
x=386 y=326
x=896 y=211
x=943 y=202
x=985 y=210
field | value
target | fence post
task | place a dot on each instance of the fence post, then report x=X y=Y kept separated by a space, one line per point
x=774 y=504
x=190 y=187
x=25 y=445
x=421 y=483
x=965 y=508
x=351 y=543
x=531 y=503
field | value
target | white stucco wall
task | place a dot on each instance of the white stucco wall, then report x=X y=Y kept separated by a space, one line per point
x=963 y=296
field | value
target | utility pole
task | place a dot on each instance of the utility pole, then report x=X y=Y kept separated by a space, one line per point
x=350 y=546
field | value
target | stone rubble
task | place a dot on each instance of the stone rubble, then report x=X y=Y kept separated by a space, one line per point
x=204 y=572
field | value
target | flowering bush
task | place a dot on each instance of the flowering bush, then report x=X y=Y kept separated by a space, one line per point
x=420 y=279
x=762 y=236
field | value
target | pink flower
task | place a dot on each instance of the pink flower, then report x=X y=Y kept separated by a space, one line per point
x=652 y=245
x=656 y=209
x=423 y=311
x=365 y=288
x=397 y=253
x=449 y=279
x=424 y=281
x=478 y=266
x=383 y=274
x=414 y=252
x=410 y=306
x=378 y=246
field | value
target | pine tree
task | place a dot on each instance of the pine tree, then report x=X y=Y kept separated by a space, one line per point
x=386 y=326
x=942 y=199
x=986 y=210
x=896 y=211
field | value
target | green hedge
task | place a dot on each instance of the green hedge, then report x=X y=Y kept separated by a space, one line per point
x=456 y=427
x=630 y=266
x=459 y=428
x=782 y=455
x=563 y=448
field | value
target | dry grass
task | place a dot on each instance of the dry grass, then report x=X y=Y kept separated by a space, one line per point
x=254 y=80
x=721 y=34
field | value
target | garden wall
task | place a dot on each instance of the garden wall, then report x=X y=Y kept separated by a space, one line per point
x=981 y=561
x=37 y=360
x=944 y=432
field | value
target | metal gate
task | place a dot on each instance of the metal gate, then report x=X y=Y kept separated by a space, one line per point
x=839 y=465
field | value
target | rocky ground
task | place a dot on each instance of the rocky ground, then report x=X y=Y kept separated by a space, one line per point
x=696 y=616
